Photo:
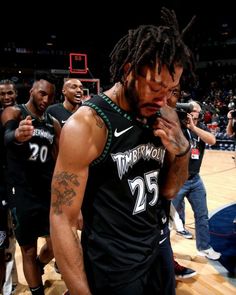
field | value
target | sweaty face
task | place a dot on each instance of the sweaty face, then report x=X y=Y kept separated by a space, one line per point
x=7 y=95
x=149 y=91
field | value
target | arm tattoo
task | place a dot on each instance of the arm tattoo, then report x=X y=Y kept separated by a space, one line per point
x=98 y=119
x=63 y=190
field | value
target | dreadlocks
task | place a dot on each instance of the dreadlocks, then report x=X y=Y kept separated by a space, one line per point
x=149 y=45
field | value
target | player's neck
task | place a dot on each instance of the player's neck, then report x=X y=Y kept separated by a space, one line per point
x=34 y=112
x=70 y=107
x=116 y=94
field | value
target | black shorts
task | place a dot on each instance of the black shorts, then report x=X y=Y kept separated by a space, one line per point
x=159 y=277
x=30 y=214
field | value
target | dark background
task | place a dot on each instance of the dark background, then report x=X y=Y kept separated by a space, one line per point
x=94 y=29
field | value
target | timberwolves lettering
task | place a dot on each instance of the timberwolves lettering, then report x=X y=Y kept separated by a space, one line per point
x=43 y=134
x=129 y=158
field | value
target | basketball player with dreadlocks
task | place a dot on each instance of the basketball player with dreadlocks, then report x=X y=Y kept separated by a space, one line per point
x=114 y=162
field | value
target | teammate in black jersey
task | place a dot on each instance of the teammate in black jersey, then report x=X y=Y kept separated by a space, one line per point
x=8 y=94
x=114 y=163
x=73 y=97
x=31 y=138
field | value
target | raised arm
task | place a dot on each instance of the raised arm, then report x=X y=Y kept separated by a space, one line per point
x=175 y=169
x=204 y=135
x=82 y=140
x=231 y=121
x=174 y=174
x=17 y=130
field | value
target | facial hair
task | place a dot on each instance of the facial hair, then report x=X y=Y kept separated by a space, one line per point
x=132 y=97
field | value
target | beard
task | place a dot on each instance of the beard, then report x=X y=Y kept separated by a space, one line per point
x=134 y=101
x=132 y=97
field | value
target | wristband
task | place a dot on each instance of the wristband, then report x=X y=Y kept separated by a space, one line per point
x=185 y=152
x=9 y=135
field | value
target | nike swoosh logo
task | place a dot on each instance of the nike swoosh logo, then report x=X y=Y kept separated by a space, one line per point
x=49 y=125
x=162 y=241
x=117 y=134
x=163 y=219
x=63 y=122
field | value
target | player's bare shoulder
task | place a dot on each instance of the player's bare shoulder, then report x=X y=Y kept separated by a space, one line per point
x=87 y=130
x=86 y=121
x=11 y=113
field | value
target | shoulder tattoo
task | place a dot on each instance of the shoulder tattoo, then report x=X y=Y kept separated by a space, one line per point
x=98 y=119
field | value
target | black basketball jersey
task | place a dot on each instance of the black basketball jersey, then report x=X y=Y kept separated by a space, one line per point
x=59 y=112
x=3 y=193
x=3 y=187
x=2 y=153
x=120 y=205
x=31 y=164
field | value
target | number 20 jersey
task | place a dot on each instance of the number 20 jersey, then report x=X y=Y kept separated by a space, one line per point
x=31 y=164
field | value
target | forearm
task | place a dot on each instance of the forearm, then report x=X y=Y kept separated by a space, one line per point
x=204 y=135
x=229 y=128
x=11 y=140
x=174 y=176
x=69 y=257
x=9 y=134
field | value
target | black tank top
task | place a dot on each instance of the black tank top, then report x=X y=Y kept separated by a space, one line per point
x=31 y=164
x=3 y=191
x=121 y=199
x=59 y=112
x=2 y=153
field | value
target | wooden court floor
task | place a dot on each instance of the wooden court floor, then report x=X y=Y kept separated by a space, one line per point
x=219 y=174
